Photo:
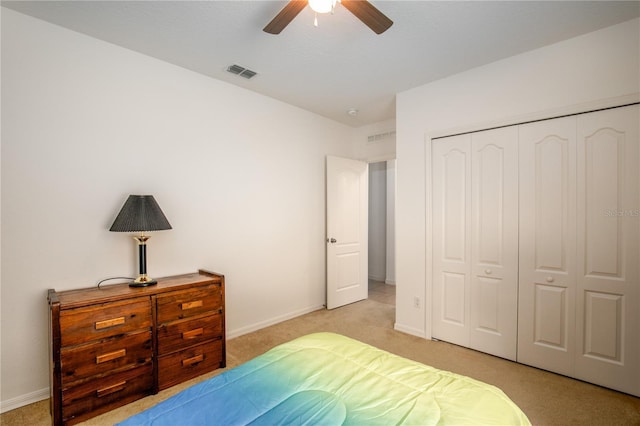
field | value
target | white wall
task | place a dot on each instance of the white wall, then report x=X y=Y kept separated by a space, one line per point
x=379 y=149
x=85 y=123
x=560 y=77
x=391 y=223
x=382 y=190
x=378 y=221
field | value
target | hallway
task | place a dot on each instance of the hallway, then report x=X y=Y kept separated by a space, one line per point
x=381 y=292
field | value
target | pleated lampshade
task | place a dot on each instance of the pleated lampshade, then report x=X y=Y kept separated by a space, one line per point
x=140 y=213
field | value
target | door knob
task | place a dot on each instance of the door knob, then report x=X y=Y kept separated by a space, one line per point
x=549 y=279
x=331 y=240
x=487 y=271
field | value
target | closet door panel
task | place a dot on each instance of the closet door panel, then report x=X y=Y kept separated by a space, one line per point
x=494 y=258
x=547 y=248
x=608 y=219
x=451 y=239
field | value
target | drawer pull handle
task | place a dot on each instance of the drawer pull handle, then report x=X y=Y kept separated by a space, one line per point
x=111 y=356
x=193 y=360
x=191 y=305
x=111 y=389
x=100 y=325
x=191 y=334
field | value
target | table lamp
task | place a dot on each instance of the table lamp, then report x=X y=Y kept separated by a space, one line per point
x=141 y=213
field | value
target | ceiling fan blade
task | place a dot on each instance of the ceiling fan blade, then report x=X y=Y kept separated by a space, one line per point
x=285 y=16
x=369 y=15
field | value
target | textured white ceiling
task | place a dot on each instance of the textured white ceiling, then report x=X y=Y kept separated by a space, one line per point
x=340 y=64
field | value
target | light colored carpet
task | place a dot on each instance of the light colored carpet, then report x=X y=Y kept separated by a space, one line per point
x=546 y=398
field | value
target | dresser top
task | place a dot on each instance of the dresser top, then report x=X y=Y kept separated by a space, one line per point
x=80 y=297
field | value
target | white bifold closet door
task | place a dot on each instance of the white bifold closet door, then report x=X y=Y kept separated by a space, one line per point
x=475 y=240
x=547 y=313
x=579 y=303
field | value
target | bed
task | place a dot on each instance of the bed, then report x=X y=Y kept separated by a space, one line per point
x=329 y=379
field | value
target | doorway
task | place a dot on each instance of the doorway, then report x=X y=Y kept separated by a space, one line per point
x=381 y=238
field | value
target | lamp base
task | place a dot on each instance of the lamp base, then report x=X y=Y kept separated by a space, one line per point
x=143 y=283
x=143 y=280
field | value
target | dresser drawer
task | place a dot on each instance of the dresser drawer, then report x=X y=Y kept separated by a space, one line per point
x=183 y=304
x=180 y=334
x=104 y=320
x=80 y=362
x=189 y=363
x=101 y=394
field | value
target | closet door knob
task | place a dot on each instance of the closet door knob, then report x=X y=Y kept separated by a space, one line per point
x=488 y=271
x=549 y=279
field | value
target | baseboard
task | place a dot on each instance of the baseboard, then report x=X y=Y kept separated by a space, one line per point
x=22 y=400
x=390 y=282
x=409 y=330
x=376 y=278
x=260 y=325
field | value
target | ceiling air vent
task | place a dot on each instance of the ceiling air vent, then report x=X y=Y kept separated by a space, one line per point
x=241 y=71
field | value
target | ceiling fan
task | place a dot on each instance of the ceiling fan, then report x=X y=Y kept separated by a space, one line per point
x=362 y=9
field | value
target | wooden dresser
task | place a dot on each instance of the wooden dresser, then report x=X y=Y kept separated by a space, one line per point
x=115 y=344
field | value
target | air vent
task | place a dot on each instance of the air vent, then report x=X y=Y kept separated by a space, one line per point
x=381 y=137
x=241 y=71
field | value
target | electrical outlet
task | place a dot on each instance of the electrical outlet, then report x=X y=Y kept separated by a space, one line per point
x=416 y=302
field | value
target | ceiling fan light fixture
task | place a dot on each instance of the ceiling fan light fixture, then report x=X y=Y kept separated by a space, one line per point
x=377 y=21
x=322 y=6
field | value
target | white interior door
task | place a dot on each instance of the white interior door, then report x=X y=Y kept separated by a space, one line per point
x=494 y=242
x=475 y=240
x=579 y=305
x=347 y=231
x=608 y=265
x=547 y=314
x=451 y=245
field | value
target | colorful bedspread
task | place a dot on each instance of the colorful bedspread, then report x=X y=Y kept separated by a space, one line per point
x=329 y=379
